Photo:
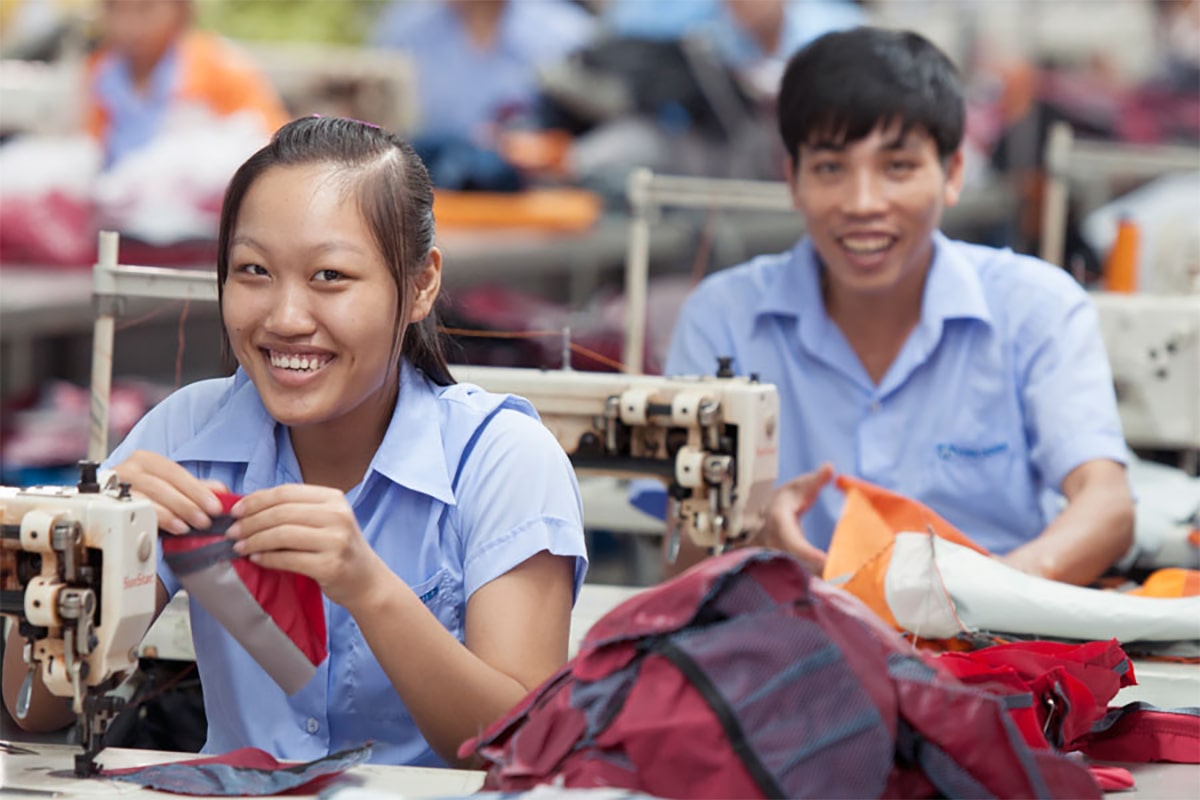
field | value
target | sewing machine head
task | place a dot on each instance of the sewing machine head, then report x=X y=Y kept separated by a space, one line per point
x=77 y=569
x=713 y=441
x=1153 y=344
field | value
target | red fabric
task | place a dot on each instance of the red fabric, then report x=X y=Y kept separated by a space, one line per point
x=1143 y=735
x=1071 y=686
x=247 y=772
x=246 y=757
x=1112 y=779
x=50 y=229
x=1076 y=681
x=746 y=676
x=293 y=601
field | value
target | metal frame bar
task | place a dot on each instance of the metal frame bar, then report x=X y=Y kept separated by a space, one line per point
x=112 y=282
x=647 y=193
x=1070 y=160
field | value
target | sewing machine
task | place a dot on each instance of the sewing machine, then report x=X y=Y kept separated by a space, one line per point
x=1153 y=344
x=77 y=572
x=712 y=440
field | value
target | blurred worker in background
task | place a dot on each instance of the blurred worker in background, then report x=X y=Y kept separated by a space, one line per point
x=754 y=37
x=969 y=378
x=154 y=75
x=477 y=61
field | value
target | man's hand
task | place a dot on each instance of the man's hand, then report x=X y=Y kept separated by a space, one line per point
x=791 y=500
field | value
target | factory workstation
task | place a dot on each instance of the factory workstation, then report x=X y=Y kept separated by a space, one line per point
x=600 y=399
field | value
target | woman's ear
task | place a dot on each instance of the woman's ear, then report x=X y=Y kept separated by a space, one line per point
x=426 y=287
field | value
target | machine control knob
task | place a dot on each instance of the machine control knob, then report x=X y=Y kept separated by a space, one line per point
x=88 y=480
x=145 y=546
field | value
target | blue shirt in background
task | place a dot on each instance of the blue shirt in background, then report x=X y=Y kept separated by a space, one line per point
x=462 y=88
x=803 y=21
x=1000 y=391
x=516 y=497
x=135 y=118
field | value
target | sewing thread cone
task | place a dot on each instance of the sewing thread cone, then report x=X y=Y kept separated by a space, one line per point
x=1121 y=268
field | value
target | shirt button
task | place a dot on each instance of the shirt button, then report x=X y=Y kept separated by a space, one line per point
x=312 y=726
x=876 y=406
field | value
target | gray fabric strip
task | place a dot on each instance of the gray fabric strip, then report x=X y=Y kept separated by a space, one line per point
x=221 y=593
x=186 y=562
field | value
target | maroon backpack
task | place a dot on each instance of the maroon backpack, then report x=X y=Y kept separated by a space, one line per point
x=747 y=677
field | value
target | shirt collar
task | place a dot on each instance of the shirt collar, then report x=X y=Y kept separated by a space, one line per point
x=794 y=289
x=952 y=290
x=410 y=455
x=235 y=432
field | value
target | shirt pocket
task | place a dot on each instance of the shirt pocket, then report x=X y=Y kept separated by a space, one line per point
x=439 y=595
x=976 y=471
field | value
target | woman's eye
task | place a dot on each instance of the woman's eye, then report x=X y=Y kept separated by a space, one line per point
x=328 y=275
x=252 y=269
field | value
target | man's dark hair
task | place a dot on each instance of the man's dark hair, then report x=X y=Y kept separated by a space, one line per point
x=843 y=85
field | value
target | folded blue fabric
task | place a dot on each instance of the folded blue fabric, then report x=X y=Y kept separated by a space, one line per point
x=248 y=772
x=648 y=496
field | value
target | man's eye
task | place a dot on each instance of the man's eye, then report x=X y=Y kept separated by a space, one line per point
x=328 y=275
x=902 y=166
x=826 y=167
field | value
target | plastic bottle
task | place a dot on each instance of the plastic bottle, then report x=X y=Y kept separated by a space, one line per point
x=1121 y=267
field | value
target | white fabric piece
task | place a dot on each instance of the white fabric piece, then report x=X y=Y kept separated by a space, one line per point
x=1167 y=500
x=914 y=588
x=987 y=595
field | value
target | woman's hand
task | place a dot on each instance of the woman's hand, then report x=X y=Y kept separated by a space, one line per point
x=310 y=530
x=791 y=500
x=181 y=500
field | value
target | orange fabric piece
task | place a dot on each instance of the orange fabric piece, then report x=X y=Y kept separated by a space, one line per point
x=870 y=521
x=861 y=549
x=212 y=72
x=1170 y=582
x=552 y=209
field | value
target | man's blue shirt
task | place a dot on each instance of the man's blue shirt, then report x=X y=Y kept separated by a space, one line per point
x=1001 y=390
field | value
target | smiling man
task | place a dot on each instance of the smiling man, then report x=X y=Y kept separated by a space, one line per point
x=969 y=378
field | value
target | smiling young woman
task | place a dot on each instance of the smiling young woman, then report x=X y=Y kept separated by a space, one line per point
x=442 y=523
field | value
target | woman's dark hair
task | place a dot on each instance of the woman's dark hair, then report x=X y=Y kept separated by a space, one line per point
x=394 y=194
x=843 y=85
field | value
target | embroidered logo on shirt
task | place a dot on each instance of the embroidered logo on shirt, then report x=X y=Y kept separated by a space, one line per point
x=432 y=593
x=949 y=451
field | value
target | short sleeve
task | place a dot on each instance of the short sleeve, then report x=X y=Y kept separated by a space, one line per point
x=694 y=342
x=517 y=496
x=1066 y=385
